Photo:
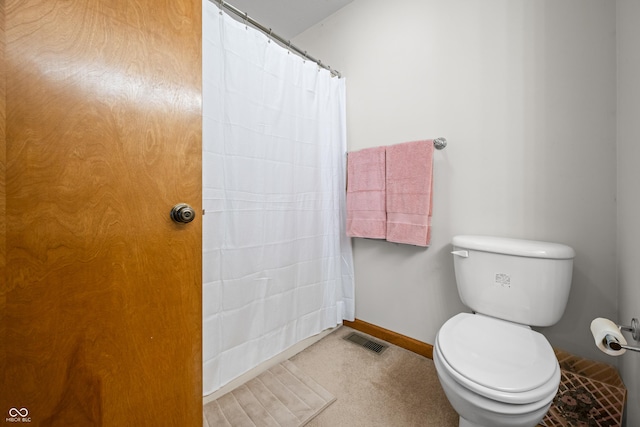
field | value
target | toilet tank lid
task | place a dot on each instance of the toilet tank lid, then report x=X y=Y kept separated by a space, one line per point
x=516 y=247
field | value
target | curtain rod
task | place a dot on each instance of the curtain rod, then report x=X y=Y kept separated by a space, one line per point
x=286 y=43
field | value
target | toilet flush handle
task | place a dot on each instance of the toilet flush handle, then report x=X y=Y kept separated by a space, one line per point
x=463 y=254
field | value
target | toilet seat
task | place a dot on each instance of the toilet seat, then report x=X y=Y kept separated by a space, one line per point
x=498 y=359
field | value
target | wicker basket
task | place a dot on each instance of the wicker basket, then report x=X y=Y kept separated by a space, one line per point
x=590 y=394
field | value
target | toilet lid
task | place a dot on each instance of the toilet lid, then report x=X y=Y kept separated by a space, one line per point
x=497 y=354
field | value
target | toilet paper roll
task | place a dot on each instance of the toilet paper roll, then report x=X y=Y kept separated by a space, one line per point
x=601 y=327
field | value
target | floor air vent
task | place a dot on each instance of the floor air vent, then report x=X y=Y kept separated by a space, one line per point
x=365 y=342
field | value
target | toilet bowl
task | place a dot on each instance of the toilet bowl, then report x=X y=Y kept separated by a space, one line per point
x=491 y=382
x=495 y=370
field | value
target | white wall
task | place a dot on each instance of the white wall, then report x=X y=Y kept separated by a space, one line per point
x=525 y=93
x=628 y=193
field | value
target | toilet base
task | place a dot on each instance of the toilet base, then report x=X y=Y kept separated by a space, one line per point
x=466 y=423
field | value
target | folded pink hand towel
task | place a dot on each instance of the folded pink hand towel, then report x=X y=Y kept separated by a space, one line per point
x=366 y=213
x=409 y=184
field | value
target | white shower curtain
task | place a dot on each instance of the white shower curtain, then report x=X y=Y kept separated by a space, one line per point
x=277 y=265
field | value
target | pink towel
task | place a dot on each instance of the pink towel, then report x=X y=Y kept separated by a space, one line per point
x=366 y=213
x=409 y=185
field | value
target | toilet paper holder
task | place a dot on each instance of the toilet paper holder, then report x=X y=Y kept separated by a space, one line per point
x=634 y=329
x=612 y=342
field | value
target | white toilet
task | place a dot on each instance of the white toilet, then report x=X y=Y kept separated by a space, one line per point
x=495 y=370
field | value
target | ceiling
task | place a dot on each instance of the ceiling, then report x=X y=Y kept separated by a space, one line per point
x=288 y=18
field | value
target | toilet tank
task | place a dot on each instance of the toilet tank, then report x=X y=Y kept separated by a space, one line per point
x=522 y=281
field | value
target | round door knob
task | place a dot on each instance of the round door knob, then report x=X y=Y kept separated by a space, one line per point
x=182 y=213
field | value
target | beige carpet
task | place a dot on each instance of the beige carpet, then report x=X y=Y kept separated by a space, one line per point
x=283 y=396
x=397 y=388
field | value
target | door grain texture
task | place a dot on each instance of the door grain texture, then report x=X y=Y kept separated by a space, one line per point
x=100 y=302
x=3 y=195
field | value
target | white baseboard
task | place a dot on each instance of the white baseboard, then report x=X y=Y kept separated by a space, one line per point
x=251 y=374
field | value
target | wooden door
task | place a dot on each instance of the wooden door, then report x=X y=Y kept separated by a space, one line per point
x=100 y=293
